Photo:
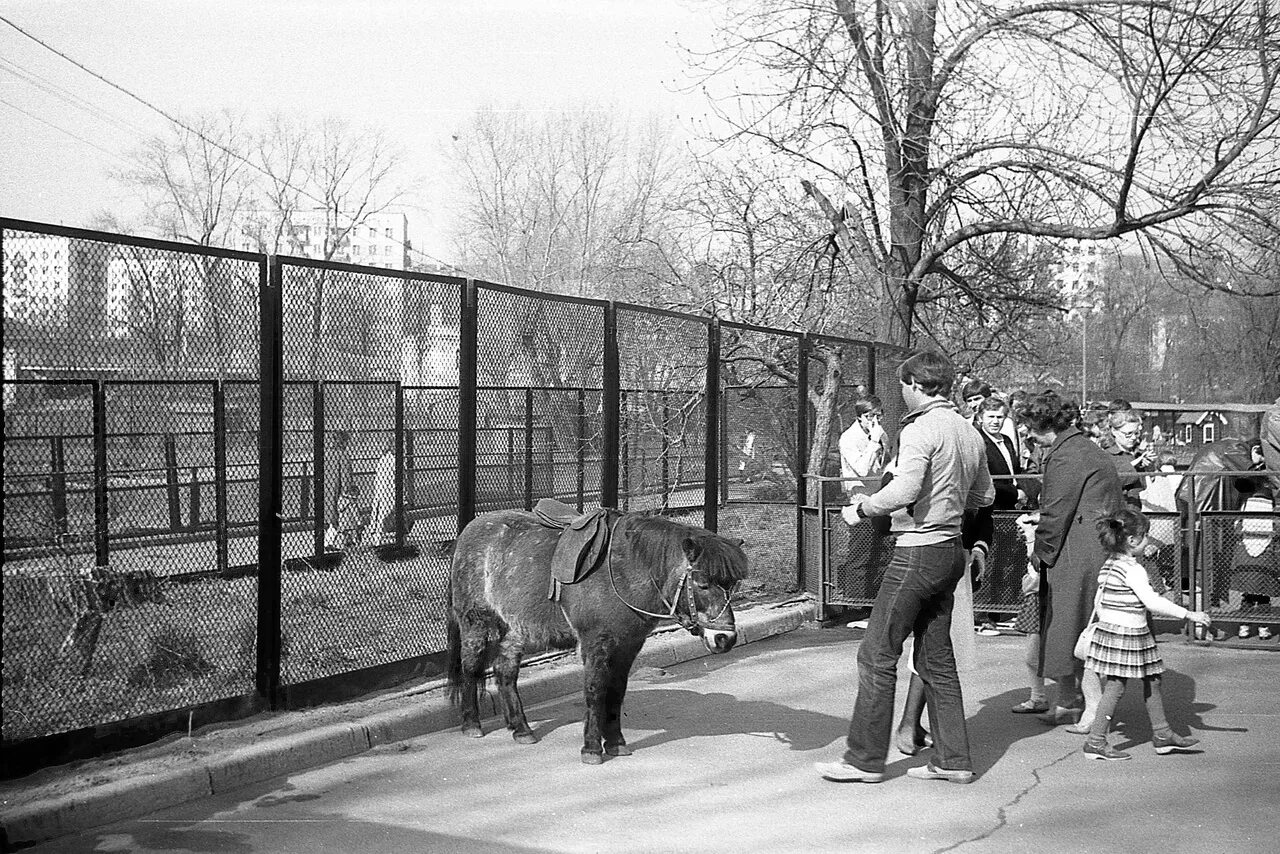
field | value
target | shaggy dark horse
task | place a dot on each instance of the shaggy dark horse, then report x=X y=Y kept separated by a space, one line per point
x=653 y=569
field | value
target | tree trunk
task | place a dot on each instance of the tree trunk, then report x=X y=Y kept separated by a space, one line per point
x=824 y=420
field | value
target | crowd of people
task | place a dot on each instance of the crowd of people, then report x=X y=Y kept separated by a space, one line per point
x=1087 y=595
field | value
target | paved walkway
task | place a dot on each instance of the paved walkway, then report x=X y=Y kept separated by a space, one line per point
x=724 y=748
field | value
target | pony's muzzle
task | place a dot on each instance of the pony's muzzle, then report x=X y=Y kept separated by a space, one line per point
x=719 y=640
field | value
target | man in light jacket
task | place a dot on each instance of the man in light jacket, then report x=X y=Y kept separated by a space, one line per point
x=940 y=471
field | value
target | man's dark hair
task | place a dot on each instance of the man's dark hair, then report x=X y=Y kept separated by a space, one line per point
x=1047 y=411
x=870 y=403
x=973 y=388
x=1119 y=404
x=932 y=371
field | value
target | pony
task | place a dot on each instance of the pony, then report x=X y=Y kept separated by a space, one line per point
x=652 y=569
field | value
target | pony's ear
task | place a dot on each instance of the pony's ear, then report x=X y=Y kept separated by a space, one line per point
x=692 y=549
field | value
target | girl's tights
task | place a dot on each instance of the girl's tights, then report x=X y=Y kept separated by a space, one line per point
x=1112 y=690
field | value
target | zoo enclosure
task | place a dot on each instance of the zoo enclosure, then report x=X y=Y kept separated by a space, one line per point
x=166 y=414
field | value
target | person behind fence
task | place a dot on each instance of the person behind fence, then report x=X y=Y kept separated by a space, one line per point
x=1130 y=453
x=1080 y=484
x=1255 y=565
x=862 y=456
x=1004 y=565
x=940 y=471
x=1122 y=646
x=382 y=518
x=340 y=492
x=973 y=393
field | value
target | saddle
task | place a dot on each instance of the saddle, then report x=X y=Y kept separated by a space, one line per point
x=584 y=540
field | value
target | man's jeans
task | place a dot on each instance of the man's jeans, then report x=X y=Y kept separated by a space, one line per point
x=915 y=598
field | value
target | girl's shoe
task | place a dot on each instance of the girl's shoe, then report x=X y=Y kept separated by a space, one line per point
x=1242 y=632
x=1031 y=707
x=1264 y=633
x=1081 y=728
x=1057 y=716
x=1173 y=743
x=1104 y=751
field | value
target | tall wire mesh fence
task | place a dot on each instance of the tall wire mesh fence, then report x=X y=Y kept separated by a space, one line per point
x=130 y=456
x=663 y=410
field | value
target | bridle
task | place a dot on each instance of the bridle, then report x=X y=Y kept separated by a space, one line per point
x=689 y=621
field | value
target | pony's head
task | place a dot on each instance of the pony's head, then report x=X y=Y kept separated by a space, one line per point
x=715 y=565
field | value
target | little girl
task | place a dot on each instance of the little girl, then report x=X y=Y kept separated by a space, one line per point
x=1123 y=647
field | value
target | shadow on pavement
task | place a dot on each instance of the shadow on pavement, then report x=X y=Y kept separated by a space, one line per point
x=657 y=716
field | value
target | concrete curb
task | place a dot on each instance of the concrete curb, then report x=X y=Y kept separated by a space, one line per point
x=417 y=712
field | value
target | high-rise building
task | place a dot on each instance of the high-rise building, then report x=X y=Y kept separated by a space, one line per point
x=379 y=240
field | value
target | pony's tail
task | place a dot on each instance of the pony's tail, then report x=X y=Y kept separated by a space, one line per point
x=454 y=634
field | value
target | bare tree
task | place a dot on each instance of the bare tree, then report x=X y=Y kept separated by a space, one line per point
x=571 y=202
x=195 y=183
x=945 y=126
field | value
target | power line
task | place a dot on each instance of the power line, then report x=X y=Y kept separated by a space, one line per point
x=62 y=130
x=179 y=123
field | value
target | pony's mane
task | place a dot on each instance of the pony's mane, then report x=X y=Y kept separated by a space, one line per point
x=658 y=540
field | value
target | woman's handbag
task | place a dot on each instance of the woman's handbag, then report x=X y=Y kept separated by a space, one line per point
x=1085 y=640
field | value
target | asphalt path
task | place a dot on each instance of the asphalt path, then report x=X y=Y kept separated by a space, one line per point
x=724 y=751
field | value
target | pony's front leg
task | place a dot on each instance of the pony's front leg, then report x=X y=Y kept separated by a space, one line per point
x=595 y=691
x=506 y=669
x=615 y=691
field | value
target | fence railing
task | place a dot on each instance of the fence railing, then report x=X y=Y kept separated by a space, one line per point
x=1218 y=553
x=169 y=484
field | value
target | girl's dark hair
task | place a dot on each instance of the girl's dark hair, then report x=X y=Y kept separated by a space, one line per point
x=1115 y=529
x=1047 y=411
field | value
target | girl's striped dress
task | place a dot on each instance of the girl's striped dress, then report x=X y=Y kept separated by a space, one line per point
x=1125 y=649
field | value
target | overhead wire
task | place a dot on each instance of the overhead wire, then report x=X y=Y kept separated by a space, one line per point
x=63 y=130
x=186 y=127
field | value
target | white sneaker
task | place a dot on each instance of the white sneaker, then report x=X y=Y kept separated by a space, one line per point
x=1243 y=632
x=1264 y=633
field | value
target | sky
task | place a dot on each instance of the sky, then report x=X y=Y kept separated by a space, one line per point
x=417 y=68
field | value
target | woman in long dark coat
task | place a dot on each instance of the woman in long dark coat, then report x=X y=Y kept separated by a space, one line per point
x=1080 y=485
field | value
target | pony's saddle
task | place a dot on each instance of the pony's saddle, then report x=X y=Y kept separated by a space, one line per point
x=583 y=542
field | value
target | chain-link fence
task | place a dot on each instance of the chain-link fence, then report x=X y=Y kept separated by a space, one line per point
x=130 y=477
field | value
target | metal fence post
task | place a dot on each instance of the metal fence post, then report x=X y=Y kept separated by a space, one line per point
x=802 y=450
x=666 y=448
x=528 y=449
x=624 y=449
x=58 y=485
x=100 y=505
x=220 y=474
x=722 y=412
x=400 y=491
x=609 y=403
x=581 y=422
x=467 y=394
x=711 y=414
x=171 y=482
x=871 y=369
x=270 y=486
x=317 y=483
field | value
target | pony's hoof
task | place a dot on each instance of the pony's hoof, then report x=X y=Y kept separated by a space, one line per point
x=524 y=738
x=473 y=732
x=618 y=750
x=589 y=758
